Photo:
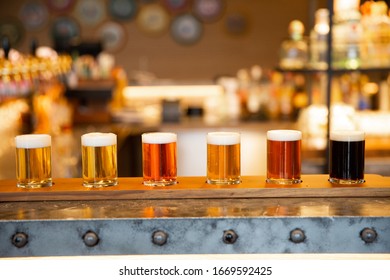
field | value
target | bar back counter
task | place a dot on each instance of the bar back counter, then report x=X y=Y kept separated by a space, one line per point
x=193 y=217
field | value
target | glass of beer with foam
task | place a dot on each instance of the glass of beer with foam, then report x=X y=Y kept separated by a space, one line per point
x=223 y=158
x=284 y=156
x=99 y=159
x=159 y=158
x=346 y=157
x=33 y=160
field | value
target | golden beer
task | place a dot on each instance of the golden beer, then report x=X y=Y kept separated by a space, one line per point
x=33 y=160
x=99 y=159
x=159 y=158
x=223 y=158
x=284 y=156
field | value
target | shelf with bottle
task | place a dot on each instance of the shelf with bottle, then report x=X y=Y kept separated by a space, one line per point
x=21 y=75
x=360 y=40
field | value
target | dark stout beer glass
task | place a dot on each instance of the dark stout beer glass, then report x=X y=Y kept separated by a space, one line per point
x=284 y=156
x=33 y=160
x=99 y=159
x=223 y=158
x=159 y=158
x=346 y=157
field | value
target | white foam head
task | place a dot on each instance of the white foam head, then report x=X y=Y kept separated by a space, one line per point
x=284 y=135
x=159 y=137
x=98 y=139
x=31 y=141
x=347 y=136
x=223 y=138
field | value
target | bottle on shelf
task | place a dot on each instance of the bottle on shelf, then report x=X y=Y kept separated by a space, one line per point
x=294 y=51
x=347 y=35
x=375 y=49
x=319 y=40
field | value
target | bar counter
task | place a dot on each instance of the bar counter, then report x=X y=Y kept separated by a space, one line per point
x=195 y=218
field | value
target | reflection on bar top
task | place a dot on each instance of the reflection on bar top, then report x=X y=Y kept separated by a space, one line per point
x=197 y=208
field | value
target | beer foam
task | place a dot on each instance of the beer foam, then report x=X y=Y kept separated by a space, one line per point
x=284 y=135
x=98 y=139
x=31 y=141
x=159 y=137
x=347 y=135
x=223 y=138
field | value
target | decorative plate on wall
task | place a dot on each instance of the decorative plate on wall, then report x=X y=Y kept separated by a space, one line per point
x=176 y=6
x=34 y=15
x=60 y=6
x=90 y=12
x=122 y=9
x=113 y=35
x=153 y=19
x=236 y=24
x=65 y=29
x=208 y=10
x=186 y=29
x=13 y=29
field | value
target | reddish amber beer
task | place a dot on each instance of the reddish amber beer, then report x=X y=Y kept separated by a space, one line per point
x=284 y=156
x=223 y=158
x=346 y=157
x=33 y=160
x=159 y=158
x=99 y=159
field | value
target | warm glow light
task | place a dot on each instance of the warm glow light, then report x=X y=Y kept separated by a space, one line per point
x=371 y=88
x=345 y=5
x=172 y=92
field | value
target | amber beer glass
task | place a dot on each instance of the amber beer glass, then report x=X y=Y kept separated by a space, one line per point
x=159 y=158
x=33 y=160
x=284 y=156
x=223 y=158
x=346 y=157
x=99 y=159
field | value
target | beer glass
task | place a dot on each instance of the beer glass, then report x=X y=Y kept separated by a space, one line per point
x=33 y=160
x=99 y=159
x=284 y=156
x=159 y=158
x=223 y=158
x=346 y=157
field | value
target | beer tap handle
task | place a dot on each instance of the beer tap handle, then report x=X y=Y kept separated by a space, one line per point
x=33 y=47
x=6 y=46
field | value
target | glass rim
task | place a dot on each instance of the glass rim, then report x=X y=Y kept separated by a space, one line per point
x=98 y=139
x=223 y=138
x=347 y=135
x=159 y=137
x=284 y=135
x=32 y=141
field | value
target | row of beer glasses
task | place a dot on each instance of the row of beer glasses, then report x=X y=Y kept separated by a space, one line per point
x=159 y=158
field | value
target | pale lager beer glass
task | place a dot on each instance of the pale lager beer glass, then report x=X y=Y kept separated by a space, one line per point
x=223 y=158
x=33 y=160
x=99 y=159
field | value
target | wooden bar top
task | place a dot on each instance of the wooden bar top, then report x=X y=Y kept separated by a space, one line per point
x=196 y=188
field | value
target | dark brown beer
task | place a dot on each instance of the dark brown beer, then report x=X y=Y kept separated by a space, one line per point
x=284 y=156
x=33 y=160
x=223 y=158
x=99 y=159
x=159 y=158
x=346 y=157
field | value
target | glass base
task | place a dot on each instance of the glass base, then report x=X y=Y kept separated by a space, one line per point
x=283 y=181
x=100 y=184
x=160 y=183
x=35 y=184
x=223 y=182
x=346 y=181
